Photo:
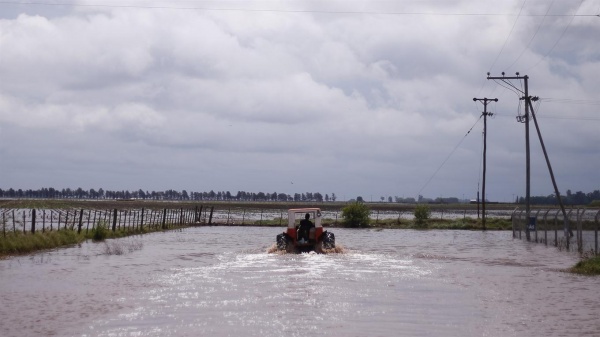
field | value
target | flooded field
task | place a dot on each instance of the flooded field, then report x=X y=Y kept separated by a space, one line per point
x=220 y=281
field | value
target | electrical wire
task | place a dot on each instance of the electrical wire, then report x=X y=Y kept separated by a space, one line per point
x=571 y=101
x=448 y=157
x=509 y=35
x=559 y=38
x=532 y=37
x=512 y=85
x=416 y=13
x=508 y=88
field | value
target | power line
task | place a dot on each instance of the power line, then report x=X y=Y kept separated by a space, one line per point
x=515 y=91
x=571 y=101
x=509 y=35
x=233 y=9
x=450 y=155
x=532 y=37
x=559 y=38
x=551 y=117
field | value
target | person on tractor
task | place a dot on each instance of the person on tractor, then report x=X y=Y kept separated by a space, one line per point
x=304 y=229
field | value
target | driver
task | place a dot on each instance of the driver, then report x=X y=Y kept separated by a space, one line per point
x=305 y=226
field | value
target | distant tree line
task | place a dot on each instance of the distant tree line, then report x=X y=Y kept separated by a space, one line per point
x=79 y=193
x=577 y=198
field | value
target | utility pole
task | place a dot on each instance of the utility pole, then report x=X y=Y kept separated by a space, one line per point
x=485 y=114
x=525 y=119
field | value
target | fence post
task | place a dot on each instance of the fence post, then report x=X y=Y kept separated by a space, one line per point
x=512 y=218
x=142 y=220
x=556 y=228
x=580 y=230
x=14 y=225
x=80 y=222
x=4 y=223
x=164 y=219
x=66 y=221
x=596 y=233
x=33 y=221
x=243 y=216
x=567 y=233
x=212 y=208
x=536 y=226
x=114 y=224
x=24 y=223
x=43 y=221
x=546 y=227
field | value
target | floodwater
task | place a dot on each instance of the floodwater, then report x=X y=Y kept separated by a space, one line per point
x=220 y=281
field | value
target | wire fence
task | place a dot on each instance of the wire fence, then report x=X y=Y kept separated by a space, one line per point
x=548 y=226
x=544 y=226
x=42 y=220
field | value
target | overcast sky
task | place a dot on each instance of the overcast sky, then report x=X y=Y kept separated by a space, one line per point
x=370 y=98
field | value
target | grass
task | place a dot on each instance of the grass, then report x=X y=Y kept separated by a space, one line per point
x=587 y=266
x=463 y=224
x=19 y=243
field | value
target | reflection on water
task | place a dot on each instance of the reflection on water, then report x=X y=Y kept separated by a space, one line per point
x=220 y=281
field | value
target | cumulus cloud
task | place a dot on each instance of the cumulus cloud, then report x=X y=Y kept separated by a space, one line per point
x=366 y=97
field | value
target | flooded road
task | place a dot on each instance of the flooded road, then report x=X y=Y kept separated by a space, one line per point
x=220 y=281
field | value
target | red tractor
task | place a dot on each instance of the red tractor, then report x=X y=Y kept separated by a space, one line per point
x=305 y=232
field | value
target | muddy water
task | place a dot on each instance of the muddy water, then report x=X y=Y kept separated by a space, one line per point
x=220 y=281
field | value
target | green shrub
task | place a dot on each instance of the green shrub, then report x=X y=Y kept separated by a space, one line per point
x=422 y=214
x=590 y=266
x=356 y=215
x=100 y=233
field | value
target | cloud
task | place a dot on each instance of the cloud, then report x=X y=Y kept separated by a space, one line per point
x=340 y=97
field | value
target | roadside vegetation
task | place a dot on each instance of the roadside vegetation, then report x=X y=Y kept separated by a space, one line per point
x=356 y=215
x=455 y=224
x=587 y=266
x=19 y=243
x=422 y=213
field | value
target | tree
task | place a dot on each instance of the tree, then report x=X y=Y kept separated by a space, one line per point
x=356 y=215
x=422 y=213
x=359 y=199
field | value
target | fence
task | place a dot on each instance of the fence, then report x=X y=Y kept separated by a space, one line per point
x=547 y=226
x=32 y=220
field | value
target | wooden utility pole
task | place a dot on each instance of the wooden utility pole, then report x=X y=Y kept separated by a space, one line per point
x=485 y=114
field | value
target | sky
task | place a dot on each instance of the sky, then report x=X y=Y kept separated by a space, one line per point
x=357 y=98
